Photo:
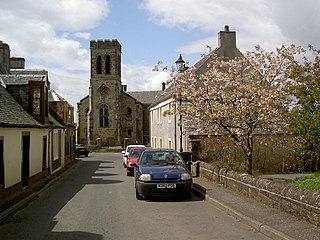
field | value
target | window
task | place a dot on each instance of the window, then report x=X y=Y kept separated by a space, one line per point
x=170 y=113
x=160 y=143
x=108 y=65
x=129 y=132
x=99 y=68
x=152 y=117
x=129 y=111
x=1 y=163
x=119 y=66
x=103 y=115
x=170 y=143
x=36 y=103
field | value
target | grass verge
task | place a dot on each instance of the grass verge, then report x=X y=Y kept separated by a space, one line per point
x=308 y=182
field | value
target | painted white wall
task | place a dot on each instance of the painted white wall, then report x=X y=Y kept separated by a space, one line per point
x=13 y=152
x=163 y=127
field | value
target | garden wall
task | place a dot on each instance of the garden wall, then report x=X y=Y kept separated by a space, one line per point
x=271 y=153
x=297 y=201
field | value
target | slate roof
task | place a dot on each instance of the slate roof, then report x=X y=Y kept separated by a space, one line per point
x=12 y=114
x=22 y=79
x=145 y=97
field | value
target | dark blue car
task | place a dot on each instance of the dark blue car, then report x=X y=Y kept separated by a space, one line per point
x=162 y=172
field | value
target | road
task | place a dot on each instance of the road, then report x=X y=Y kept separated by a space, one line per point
x=96 y=200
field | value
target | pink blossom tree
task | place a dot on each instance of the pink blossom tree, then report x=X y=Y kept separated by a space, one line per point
x=237 y=97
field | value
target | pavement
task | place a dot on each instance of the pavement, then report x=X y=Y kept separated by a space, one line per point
x=269 y=221
x=272 y=222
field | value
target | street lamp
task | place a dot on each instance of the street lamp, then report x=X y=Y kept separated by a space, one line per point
x=181 y=66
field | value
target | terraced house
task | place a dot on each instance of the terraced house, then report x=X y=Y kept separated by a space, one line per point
x=35 y=139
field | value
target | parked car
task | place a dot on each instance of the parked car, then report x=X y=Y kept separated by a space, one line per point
x=126 y=152
x=81 y=149
x=132 y=158
x=161 y=172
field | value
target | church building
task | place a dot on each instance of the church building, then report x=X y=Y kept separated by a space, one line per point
x=110 y=115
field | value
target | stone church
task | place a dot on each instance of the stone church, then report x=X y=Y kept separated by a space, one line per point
x=110 y=115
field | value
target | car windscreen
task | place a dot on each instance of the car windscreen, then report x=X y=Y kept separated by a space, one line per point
x=161 y=158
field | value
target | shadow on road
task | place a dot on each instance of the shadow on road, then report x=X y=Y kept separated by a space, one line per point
x=39 y=220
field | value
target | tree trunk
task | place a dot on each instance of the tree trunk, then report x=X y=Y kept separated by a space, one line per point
x=249 y=163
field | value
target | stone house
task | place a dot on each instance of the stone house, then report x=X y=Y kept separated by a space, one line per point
x=66 y=113
x=168 y=130
x=109 y=115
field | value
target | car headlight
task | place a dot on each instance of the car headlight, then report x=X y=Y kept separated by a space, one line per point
x=185 y=176
x=145 y=177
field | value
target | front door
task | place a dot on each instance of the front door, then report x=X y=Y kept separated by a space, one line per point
x=1 y=164
x=25 y=159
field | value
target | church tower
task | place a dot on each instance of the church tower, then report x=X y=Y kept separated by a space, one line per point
x=104 y=113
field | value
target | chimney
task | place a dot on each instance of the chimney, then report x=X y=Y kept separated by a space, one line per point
x=124 y=88
x=226 y=38
x=4 y=58
x=227 y=44
x=17 y=63
x=163 y=86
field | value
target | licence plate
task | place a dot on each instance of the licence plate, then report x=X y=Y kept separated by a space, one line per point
x=166 y=185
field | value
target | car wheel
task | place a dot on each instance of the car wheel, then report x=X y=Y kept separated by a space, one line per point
x=138 y=196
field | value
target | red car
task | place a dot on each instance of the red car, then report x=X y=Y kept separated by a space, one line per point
x=132 y=158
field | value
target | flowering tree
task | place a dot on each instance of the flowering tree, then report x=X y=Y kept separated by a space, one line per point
x=237 y=97
x=304 y=118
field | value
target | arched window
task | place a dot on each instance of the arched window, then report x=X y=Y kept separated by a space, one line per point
x=108 y=65
x=103 y=115
x=129 y=111
x=99 y=69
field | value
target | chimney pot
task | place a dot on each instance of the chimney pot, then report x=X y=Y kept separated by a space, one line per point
x=226 y=28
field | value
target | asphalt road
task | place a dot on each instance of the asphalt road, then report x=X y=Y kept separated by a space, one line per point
x=96 y=200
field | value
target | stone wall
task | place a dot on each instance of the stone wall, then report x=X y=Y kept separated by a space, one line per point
x=272 y=153
x=297 y=201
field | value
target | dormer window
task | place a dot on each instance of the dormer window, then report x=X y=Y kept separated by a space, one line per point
x=36 y=102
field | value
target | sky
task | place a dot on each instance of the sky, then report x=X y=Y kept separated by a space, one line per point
x=55 y=35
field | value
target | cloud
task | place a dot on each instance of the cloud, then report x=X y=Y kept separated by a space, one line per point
x=270 y=23
x=48 y=33
x=40 y=30
x=298 y=20
x=139 y=78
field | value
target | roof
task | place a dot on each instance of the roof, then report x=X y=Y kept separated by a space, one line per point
x=22 y=79
x=12 y=114
x=145 y=97
x=54 y=119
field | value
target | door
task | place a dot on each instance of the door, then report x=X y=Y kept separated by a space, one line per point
x=25 y=159
x=1 y=164
x=44 y=154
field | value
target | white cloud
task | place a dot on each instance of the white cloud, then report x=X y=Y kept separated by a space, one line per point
x=270 y=23
x=46 y=34
x=140 y=78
